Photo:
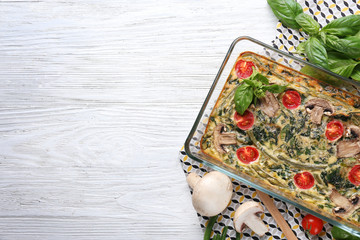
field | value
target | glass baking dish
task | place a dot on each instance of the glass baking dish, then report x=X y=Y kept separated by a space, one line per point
x=192 y=143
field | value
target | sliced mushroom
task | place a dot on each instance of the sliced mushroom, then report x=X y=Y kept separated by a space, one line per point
x=247 y=215
x=223 y=138
x=317 y=107
x=344 y=207
x=349 y=148
x=269 y=104
x=353 y=132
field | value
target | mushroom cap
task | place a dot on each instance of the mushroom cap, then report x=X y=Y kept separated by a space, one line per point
x=353 y=131
x=212 y=194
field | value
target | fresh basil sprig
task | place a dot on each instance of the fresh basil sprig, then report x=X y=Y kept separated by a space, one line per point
x=341 y=37
x=253 y=88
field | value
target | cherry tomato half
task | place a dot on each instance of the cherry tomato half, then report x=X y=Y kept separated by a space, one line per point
x=291 y=99
x=304 y=180
x=244 y=68
x=334 y=130
x=312 y=224
x=354 y=175
x=247 y=154
x=245 y=121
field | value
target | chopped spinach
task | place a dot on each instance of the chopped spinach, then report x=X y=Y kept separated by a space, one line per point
x=291 y=185
x=336 y=178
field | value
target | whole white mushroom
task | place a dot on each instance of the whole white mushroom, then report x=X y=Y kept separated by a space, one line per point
x=211 y=193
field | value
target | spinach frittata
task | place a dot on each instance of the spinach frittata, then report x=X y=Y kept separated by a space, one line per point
x=304 y=142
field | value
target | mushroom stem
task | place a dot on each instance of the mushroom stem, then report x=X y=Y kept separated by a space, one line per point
x=193 y=179
x=259 y=226
x=269 y=104
x=316 y=115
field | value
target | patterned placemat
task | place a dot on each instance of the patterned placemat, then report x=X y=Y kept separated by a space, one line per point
x=243 y=193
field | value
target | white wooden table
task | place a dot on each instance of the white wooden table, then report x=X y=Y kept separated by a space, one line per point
x=96 y=99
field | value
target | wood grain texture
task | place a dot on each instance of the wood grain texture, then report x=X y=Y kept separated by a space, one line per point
x=97 y=98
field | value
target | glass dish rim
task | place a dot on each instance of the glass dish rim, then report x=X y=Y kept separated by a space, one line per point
x=235 y=176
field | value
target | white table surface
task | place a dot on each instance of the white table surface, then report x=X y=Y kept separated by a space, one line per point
x=96 y=99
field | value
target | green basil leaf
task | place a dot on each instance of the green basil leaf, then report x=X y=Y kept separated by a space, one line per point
x=301 y=47
x=358 y=34
x=341 y=64
x=258 y=84
x=243 y=98
x=345 y=26
x=349 y=45
x=356 y=73
x=352 y=46
x=333 y=42
x=276 y=88
x=261 y=78
x=286 y=11
x=323 y=36
x=249 y=82
x=316 y=52
x=307 y=23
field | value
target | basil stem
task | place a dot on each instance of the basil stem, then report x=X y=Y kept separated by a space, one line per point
x=223 y=235
x=209 y=227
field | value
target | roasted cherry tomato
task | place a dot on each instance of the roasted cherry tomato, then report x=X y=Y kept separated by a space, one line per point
x=291 y=99
x=245 y=121
x=247 y=154
x=244 y=68
x=354 y=175
x=312 y=224
x=304 y=180
x=334 y=130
